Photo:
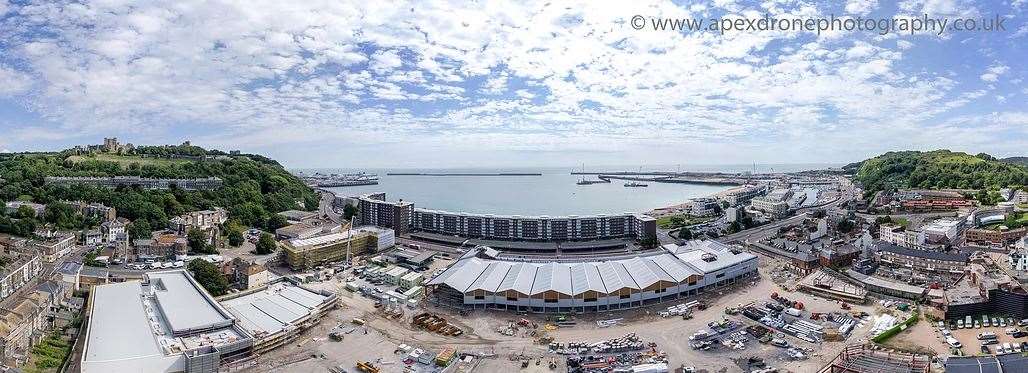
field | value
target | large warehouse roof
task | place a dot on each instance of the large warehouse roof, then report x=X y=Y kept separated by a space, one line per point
x=477 y=270
x=184 y=304
x=275 y=308
x=119 y=305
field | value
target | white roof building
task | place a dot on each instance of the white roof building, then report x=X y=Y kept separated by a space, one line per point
x=684 y=269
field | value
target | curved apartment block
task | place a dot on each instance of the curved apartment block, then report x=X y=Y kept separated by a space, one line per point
x=535 y=228
x=482 y=279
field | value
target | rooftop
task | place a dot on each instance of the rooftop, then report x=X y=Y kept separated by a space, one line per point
x=476 y=271
x=134 y=324
x=934 y=255
x=185 y=305
x=275 y=308
x=119 y=328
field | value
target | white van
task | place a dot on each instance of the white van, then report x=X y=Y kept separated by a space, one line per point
x=953 y=342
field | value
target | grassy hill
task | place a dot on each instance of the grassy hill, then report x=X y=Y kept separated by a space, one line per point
x=254 y=188
x=126 y=161
x=937 y=169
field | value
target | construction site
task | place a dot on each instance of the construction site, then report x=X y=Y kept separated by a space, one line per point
x=747 y=326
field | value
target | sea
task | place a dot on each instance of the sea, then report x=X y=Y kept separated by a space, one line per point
x=554 y=193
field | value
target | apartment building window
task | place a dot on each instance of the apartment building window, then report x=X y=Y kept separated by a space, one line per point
x=512 y=299
x=590 y=299
x=625 y=296
x=551 y=300
x=720 y=275
x=480 y=297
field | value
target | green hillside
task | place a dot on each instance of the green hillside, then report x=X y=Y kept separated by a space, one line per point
x=1022 y=161
x=937 y=169
x=254 y=187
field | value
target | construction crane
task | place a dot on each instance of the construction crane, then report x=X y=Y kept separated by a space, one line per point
x=349 y=236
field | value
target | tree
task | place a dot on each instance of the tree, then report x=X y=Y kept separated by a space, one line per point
x=209 y=276
x=734 y=227
x=25 y=212
x=349 y=211
x=685 y=234
x=235 y=237
x=266 y=244
x=139 y=229
x=197 y=240
x=649 y=242
x=845 y=226
x=276 y=221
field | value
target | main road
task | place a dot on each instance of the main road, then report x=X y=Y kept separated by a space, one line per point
x=846 y=194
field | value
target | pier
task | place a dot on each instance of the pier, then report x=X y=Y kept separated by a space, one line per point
x=462 y=174
x=657 y=178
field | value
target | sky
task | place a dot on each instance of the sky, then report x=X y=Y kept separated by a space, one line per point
x=340 y=83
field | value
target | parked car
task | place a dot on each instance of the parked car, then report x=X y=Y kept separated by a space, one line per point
x=1019 y=334
x=179 y=264
x=986 y=335
x=990 y=341
x=953 y=342
x=985 y=349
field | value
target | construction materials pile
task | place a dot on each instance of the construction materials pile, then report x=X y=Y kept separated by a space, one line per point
x=624 y=354
x=681 y=309
x=436 y=324
x=629 y=342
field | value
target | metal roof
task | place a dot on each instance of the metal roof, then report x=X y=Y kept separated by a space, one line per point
x=183 y=303
x=275 y=308
x=474 y=271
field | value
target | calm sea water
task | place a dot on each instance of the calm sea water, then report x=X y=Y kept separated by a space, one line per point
x=553 y=193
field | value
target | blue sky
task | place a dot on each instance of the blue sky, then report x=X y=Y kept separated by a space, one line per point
x=426 y=83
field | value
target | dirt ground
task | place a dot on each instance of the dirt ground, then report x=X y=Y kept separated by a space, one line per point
x=315 y=352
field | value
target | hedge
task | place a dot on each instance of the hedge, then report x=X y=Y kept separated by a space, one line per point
x=895 y=329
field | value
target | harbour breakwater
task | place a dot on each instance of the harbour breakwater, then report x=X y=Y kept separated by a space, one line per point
x=463 y=174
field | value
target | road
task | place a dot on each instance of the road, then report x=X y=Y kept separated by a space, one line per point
x=325 y=206
x=846 y=194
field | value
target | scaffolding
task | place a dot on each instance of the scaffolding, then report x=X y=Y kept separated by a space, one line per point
x=866 y=358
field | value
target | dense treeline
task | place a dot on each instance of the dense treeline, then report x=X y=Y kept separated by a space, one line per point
x=937 y=169
x=253 y=190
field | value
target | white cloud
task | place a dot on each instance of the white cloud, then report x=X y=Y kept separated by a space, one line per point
x=861 y=7
x=515 y=76
x=13 y=82
x=993 y=73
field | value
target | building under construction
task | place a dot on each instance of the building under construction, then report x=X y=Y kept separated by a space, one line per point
x=305 y=253
x=866 y=358
x=826 y=285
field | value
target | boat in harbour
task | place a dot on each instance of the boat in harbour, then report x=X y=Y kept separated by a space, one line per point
x=635 y=185
x=583 y=181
